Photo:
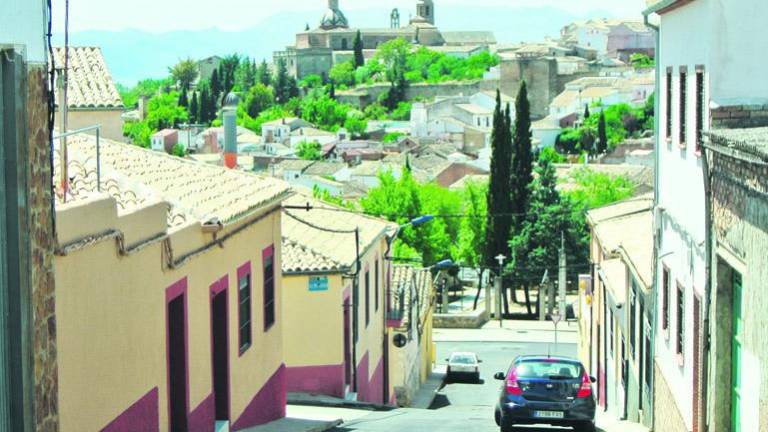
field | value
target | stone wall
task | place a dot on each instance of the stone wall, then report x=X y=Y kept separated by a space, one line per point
x=41 y=238
x=364 y=96
x=666 y=415
x=470 y=320
x=740 y=224
x=739 y=116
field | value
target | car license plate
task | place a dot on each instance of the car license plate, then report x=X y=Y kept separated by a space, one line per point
x=548 y=414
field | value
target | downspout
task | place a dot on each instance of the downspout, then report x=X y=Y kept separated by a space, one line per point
x=708 y=240
x=355 y=294
x=656 y=213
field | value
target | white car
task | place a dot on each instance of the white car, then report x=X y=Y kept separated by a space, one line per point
x=463 y=364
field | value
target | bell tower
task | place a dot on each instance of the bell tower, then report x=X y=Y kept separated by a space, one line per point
x=426 y=10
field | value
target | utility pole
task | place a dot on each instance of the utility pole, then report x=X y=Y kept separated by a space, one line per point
x=561 y=281
x=543 y=290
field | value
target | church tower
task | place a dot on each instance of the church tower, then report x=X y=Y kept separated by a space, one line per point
x=426 y=9
x=333 y=17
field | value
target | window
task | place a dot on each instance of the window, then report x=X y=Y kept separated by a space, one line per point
x=680 y=318
x=610 y=332
x=376 y=285
x=648 y=359
x=665 y=299
x=699 y=108
x=268 y=257
x=683 y=104
x=244 y=300
x=669 y=103
x=632 y=310
x=367 y=298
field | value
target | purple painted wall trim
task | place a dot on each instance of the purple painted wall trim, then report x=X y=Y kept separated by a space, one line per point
x=267 y=405
x=362 y=378
x=394 y=323
x=143 y=415
x=179 y=288
x=376 y=386
x=202 y=418
x=325 y=380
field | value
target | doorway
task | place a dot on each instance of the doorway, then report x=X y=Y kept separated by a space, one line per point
x=736 y=355
x=220 y=349
x=177 y=364
x=347 y=345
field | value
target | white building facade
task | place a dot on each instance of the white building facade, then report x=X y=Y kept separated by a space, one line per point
x=704 y=63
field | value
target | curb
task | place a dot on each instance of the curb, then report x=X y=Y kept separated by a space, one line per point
x=326 y=427
x=339 y=404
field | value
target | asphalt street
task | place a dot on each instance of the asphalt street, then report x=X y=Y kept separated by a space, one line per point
x=459 y=406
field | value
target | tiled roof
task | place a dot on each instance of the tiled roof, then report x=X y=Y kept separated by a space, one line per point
x=753 y=141
x=411 y=288
x=298 y=258
x=476 y=37
x=325 y=168
x=90 y=83
x=474 y=109
x=194 y=190
x=613 y=273
x=320 y=247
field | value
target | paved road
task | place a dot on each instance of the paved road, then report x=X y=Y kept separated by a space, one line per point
x=460 y=406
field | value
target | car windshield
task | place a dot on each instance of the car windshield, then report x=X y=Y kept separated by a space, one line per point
x=463 y=359
x=551 y=369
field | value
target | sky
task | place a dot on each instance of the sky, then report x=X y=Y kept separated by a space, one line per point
x=161 y=16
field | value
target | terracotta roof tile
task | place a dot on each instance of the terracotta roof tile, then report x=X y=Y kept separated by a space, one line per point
x=90 y=83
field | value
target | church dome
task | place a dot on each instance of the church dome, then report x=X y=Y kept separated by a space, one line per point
x=333 y=17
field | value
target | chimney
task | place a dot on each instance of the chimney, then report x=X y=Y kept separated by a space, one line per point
x=143 y=108
x=230 y=130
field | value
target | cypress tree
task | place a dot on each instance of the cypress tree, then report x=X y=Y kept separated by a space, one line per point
x=499 y=221
x=586 y=112
x=183 y=99
x=602 y=145
x=358 y=47
x=522 y=169
x=204 y=109
x=263 y=75
x=215 y=84
x=332 y=91
x=281 y=82
x=194 y=107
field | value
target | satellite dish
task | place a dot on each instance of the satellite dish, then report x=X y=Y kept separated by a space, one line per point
x=399 y=340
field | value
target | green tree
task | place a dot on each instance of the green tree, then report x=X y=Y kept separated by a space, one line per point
x=184 y=73
x=358 y=48
x=343 y=74
x=227 y=71
x=245 y=75
x=139 y=133
x=356 y=124
x=144 y=88
x=593 y=189
x=178 y=150
x=258 y=99
x=163 y=111
x=641 y=61
x=522 y=163
x=215 y=84
x=263 y=74
x=194 y=108
x=602 y=135
x=551 y=155
x=307 y=150
x=472 y=232
x=535 y=248
x=183 y=99
x=499 y=221
x=284 y=84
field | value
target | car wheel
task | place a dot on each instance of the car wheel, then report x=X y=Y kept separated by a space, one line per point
x=497 y=417
x=477 y=377
x=584 y=427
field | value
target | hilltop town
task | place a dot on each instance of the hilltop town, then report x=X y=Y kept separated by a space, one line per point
x=391 y=228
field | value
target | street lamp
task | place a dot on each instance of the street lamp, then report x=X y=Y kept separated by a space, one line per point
x=500 y=258
x=421 y=220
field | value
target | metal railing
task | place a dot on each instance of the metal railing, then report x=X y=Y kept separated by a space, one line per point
x=64 y=162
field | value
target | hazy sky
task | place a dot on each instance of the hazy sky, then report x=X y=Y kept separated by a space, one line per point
x=168 y=15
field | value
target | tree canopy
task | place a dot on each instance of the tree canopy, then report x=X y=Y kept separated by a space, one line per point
x=184 y=73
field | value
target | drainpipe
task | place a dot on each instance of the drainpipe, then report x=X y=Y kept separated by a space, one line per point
x=355 y=295
x=657 y=221
x=708 y=244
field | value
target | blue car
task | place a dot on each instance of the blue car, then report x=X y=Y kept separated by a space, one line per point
x=546 y=390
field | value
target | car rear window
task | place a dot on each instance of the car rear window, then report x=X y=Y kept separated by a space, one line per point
x=551 y=369
x=463 y=359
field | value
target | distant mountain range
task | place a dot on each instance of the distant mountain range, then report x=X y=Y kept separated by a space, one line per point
x=133 y=55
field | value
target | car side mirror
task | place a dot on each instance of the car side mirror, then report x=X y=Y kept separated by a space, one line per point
x=592 y=379
x=447 y=359
x=479 y=361
x=499 y=376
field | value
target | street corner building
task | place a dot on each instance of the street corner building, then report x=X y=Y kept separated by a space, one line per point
x=615 y=321
x=169 y=292
x=412 y=300
x=335 y=338
x=709 y=359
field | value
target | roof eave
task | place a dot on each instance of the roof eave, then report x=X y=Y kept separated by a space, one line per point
x=665 y=6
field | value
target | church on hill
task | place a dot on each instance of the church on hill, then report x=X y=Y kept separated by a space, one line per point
x=317 y=50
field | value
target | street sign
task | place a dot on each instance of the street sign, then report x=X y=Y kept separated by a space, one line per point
x=318 y=283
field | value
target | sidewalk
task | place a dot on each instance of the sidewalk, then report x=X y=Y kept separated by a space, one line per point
x=427 y=392
x=301 y=418
x=511 y=331
x=606 y=423
x=307 y=399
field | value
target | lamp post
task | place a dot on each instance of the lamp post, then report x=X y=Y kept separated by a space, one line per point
x=421 y=220
x=442 y=265
x=500 y=258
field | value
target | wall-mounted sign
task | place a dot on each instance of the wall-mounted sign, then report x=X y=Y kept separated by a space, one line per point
x=318 y=283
